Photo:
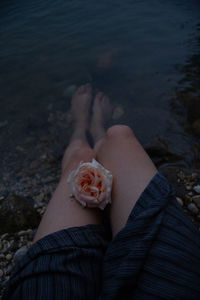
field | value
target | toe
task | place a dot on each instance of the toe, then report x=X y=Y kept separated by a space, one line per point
x=81 y=89
x=88 y=88
x=99 y=95
x=105 y=99
x=84 y=89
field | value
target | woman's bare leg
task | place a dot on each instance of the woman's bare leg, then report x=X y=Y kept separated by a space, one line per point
x=120 y=152
x=62 y=211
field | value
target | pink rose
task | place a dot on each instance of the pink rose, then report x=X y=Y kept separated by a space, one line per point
x=91 y=184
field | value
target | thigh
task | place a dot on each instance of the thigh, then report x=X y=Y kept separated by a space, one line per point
x=63 y=211
x=132 y=170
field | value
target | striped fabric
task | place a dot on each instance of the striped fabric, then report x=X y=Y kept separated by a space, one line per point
x=155 y=256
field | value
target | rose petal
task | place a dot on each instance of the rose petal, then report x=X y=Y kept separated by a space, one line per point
x=91 y=179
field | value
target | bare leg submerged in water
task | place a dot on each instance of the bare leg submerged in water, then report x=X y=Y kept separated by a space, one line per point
x=117 y=150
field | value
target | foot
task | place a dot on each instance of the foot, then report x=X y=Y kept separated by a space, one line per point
x=102 y=111
x=80 y=111
x=80 y=105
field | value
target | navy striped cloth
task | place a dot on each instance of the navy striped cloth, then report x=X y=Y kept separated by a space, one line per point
x=155 y=256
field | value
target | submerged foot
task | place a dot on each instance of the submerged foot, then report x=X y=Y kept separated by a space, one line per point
x=102 y=111
x=80 y=105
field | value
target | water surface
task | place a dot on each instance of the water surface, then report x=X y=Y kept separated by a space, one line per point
x=134 y=51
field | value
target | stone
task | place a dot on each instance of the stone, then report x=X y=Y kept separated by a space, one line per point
x=117 y=113
x=21 y=233
x=3 y=124
x=8 y=257
x=190 y=194
x=19 y=254
x=196 y=127
x=104 y=61
x=197 y=189
x=40 y=197
x=69 y=91
x=32 y=234
x=5 y=235
x=180 y=201
x=16 y=214
x=1 y=273
x=9 y=269
x=196 y=199
x=193 y=209
x=188 y=187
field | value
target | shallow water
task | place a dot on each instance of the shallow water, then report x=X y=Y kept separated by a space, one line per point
x=134 y=51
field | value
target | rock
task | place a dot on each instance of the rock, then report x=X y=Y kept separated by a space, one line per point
x=69 y=91
x=188 y=187
x=193 y=209
x=105 y=60
x=196 y=199
x=5 y=235
x=1 y=246
x=19 y=254
x=16 y=214
x=3 y=124
x=8 y=257
x=196 y=127
x=22 y=232
x=160 y=153
x=20 y=149
x=180 y=201
x=117 y=113
x=9 y=269
x=190 y=194
x=197 y=189
x=34 y=164
x=1 y=273
x=32 y=234
x=39 y=198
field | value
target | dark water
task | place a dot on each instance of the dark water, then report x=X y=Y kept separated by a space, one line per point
x=135 y=51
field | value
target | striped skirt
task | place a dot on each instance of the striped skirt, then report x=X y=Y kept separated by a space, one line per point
x=155 y=256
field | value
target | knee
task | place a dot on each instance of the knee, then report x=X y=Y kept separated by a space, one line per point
x=119 y=131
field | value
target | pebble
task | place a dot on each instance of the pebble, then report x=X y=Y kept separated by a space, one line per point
x=1 y=273
x=68 y=92
x=188 y=187
x=3 y=124
x=4 y=236
x=180 y=201
x=192 y=207
x=19 y=254
x=117 y=113
x=197 y=189
x=21 y=233
x=8 y=257
x=9 y=269
x=196 y=199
